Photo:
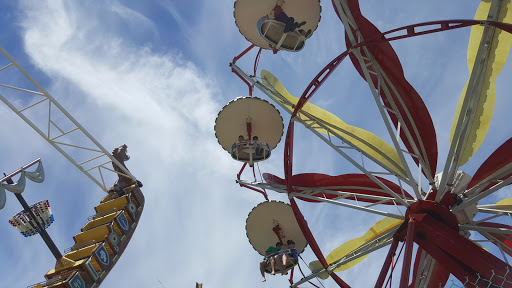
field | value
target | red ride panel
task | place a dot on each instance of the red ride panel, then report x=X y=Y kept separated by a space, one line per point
x=498 y=159
x=409 y=99
x=503 y=238
x=354 y=183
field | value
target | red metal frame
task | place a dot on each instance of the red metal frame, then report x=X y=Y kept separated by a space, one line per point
x=291 y=275
x=263 y=192
x=256 y=61
x=445 y=25
x=463 y=259
x=468 y=256
x=320 y=78
x=409 y=241
x=300 y=269
x=243 y=53
x=249 y=130
x=387 y=264
x=393 y=266
x=312 y=242
x=288 y=166
x=441 y=240
x=238 y=74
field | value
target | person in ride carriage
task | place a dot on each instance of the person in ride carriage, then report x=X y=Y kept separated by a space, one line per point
x=257 y=146
x=305 y=33
x=241 y=143
x=287 y=253
x=270 y=255
x=116 y=191
x=290 y=24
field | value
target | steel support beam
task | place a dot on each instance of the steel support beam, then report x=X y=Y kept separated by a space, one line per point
x=95 y=147
x=468 y=109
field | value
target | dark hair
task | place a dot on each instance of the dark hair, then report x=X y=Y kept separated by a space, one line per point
x=279 y=243
x=255 y=138
x=290 y=242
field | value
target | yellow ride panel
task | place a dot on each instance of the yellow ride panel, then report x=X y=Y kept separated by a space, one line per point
x=81 y=253
x=97 y=234
x=364 y=140
x=102 y=220
x=498 y=54
x=118 y=203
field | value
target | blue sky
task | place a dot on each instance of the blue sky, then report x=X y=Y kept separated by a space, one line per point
x=153 y=75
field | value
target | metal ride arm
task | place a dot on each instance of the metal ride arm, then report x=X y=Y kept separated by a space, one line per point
x=100 y=154
x=471 y=99
x=486 y=229
x=499 y=244
x=497 y=185
x=311 y=123
x=307 y=191
x=371 y=67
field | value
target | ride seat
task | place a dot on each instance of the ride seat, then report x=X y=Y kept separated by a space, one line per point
x=272 y=31
x=102 y=220
x=118 y=203
x=290 y=263
x=246 y=151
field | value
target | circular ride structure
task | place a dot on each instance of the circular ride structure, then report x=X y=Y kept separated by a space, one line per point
x=250 y=14
x=246 y=125
x=273 y=220
x=440 y=219
x=106 y=234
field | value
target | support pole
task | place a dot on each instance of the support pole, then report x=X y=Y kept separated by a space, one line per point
x=47 y=239
x=277 y=230
x=387 y=264
x=406 y=268
x=249 y=130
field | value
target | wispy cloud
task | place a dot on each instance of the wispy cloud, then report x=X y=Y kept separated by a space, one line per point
x=170 y=6
x=162 y=106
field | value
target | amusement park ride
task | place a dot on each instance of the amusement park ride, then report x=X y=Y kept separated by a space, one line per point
x=438 y=220
x=106 y=234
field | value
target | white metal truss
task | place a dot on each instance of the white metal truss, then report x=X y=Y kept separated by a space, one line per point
x=63 y=131
x=499 y=244
x=468 y=109
x=482 y=229
x=425 y=267
x=497 y=213
x=379 y=242
x=384 y=87
x=309 y=192
x=497 y=185
x=311 y=122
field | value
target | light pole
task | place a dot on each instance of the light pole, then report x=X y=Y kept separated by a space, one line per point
x=27 y=217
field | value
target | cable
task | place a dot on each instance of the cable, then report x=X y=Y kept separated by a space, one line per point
x=298 y=264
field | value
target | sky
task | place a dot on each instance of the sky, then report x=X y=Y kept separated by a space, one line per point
x=154 y=75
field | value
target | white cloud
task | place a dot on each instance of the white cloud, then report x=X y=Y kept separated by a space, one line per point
x=131 y=15
x=161 y=106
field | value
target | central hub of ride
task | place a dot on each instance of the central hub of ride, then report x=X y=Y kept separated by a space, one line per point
x=438 y=211
x=416 y=212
